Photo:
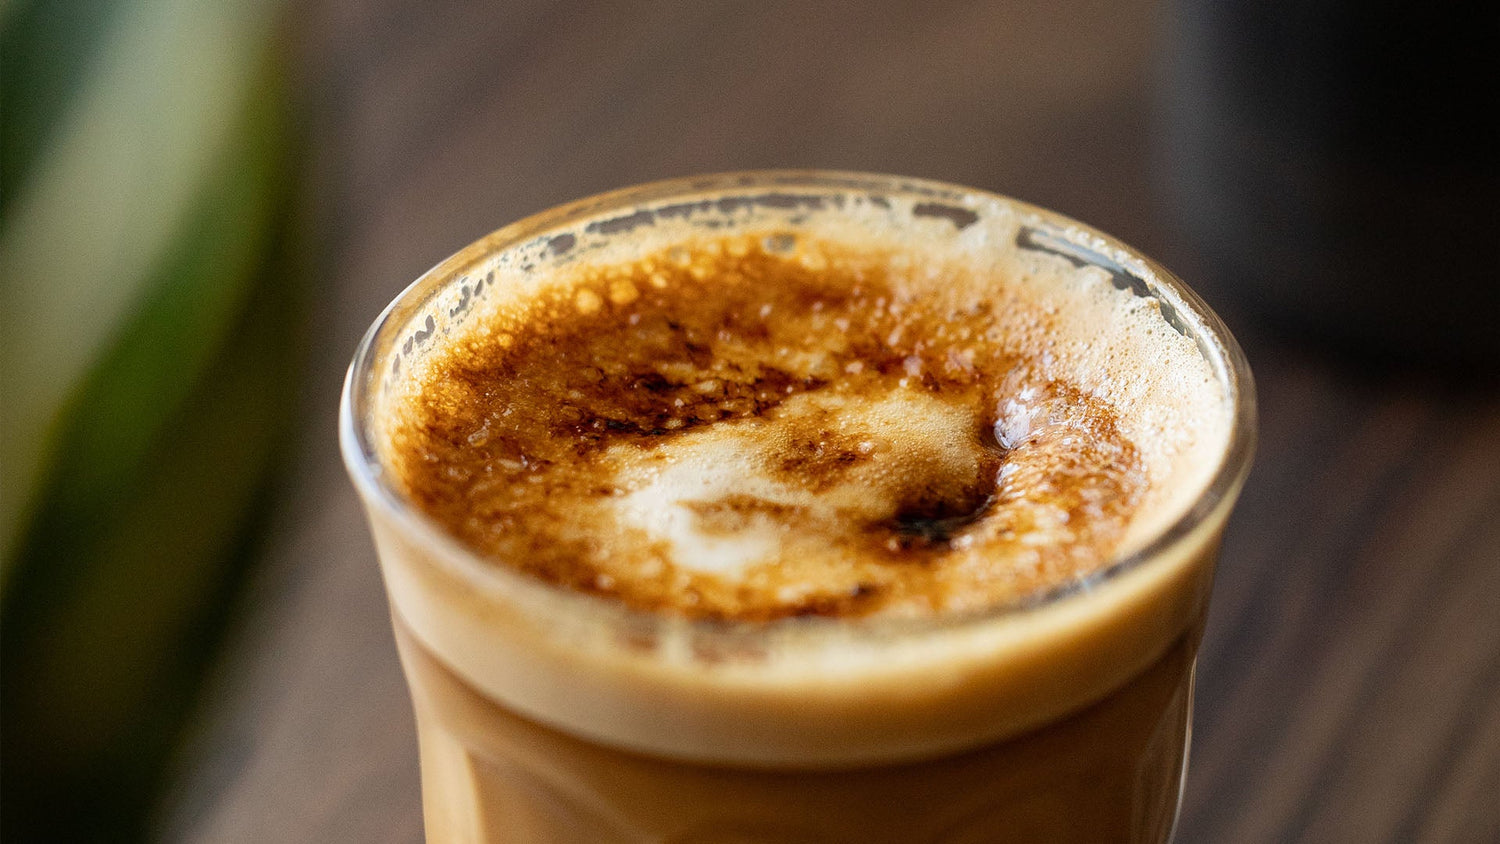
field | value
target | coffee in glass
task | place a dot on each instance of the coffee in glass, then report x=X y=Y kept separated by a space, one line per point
x=798 y=506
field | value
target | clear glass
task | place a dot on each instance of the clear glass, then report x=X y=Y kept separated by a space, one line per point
x=548 y=715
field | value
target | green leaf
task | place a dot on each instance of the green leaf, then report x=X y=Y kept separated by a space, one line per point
x=106 y=644
x=147 y=517
x=46 y=49
x=193 y=303
x=105 y=196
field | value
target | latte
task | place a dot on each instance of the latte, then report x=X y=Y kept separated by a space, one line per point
x=781 y=476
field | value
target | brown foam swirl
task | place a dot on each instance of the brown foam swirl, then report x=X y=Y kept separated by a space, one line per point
x=754 y=428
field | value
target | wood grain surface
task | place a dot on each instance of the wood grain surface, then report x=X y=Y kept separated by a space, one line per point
x=1349 y=685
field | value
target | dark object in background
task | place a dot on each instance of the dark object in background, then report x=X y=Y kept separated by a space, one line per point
x=1335 y=163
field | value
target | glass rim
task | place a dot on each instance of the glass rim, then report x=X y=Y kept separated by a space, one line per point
x=362 y=460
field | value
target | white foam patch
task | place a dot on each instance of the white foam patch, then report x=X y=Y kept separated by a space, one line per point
x=899 y=435
x=692 y=472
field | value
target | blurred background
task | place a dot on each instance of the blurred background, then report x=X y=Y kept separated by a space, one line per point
x=203 y=206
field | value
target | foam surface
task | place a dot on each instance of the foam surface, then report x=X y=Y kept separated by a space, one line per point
x=761 y=425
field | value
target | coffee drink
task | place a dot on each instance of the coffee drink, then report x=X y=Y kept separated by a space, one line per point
x=798 y=507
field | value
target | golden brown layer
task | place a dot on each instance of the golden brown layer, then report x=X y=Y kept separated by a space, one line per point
x=752 y=430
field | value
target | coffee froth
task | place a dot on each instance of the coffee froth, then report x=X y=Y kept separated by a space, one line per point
x=724 y=471
x=756 y=426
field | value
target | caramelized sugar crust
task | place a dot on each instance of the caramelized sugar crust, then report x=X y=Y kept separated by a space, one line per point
x=754 y=428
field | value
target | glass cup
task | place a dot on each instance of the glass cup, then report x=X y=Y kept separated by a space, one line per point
x=549 y=715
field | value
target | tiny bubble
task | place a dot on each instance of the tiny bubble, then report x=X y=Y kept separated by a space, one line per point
x=588 y=302
x=622 y=292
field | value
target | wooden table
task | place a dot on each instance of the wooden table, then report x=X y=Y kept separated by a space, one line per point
x=1349 y=686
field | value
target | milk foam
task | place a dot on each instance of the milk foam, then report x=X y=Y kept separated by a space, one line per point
x=685 y=367
x=802 y=692
x=675 y=483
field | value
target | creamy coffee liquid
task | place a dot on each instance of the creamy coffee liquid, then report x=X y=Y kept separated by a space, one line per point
x=798 y=507
x=758 y=426
x=836 y=474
